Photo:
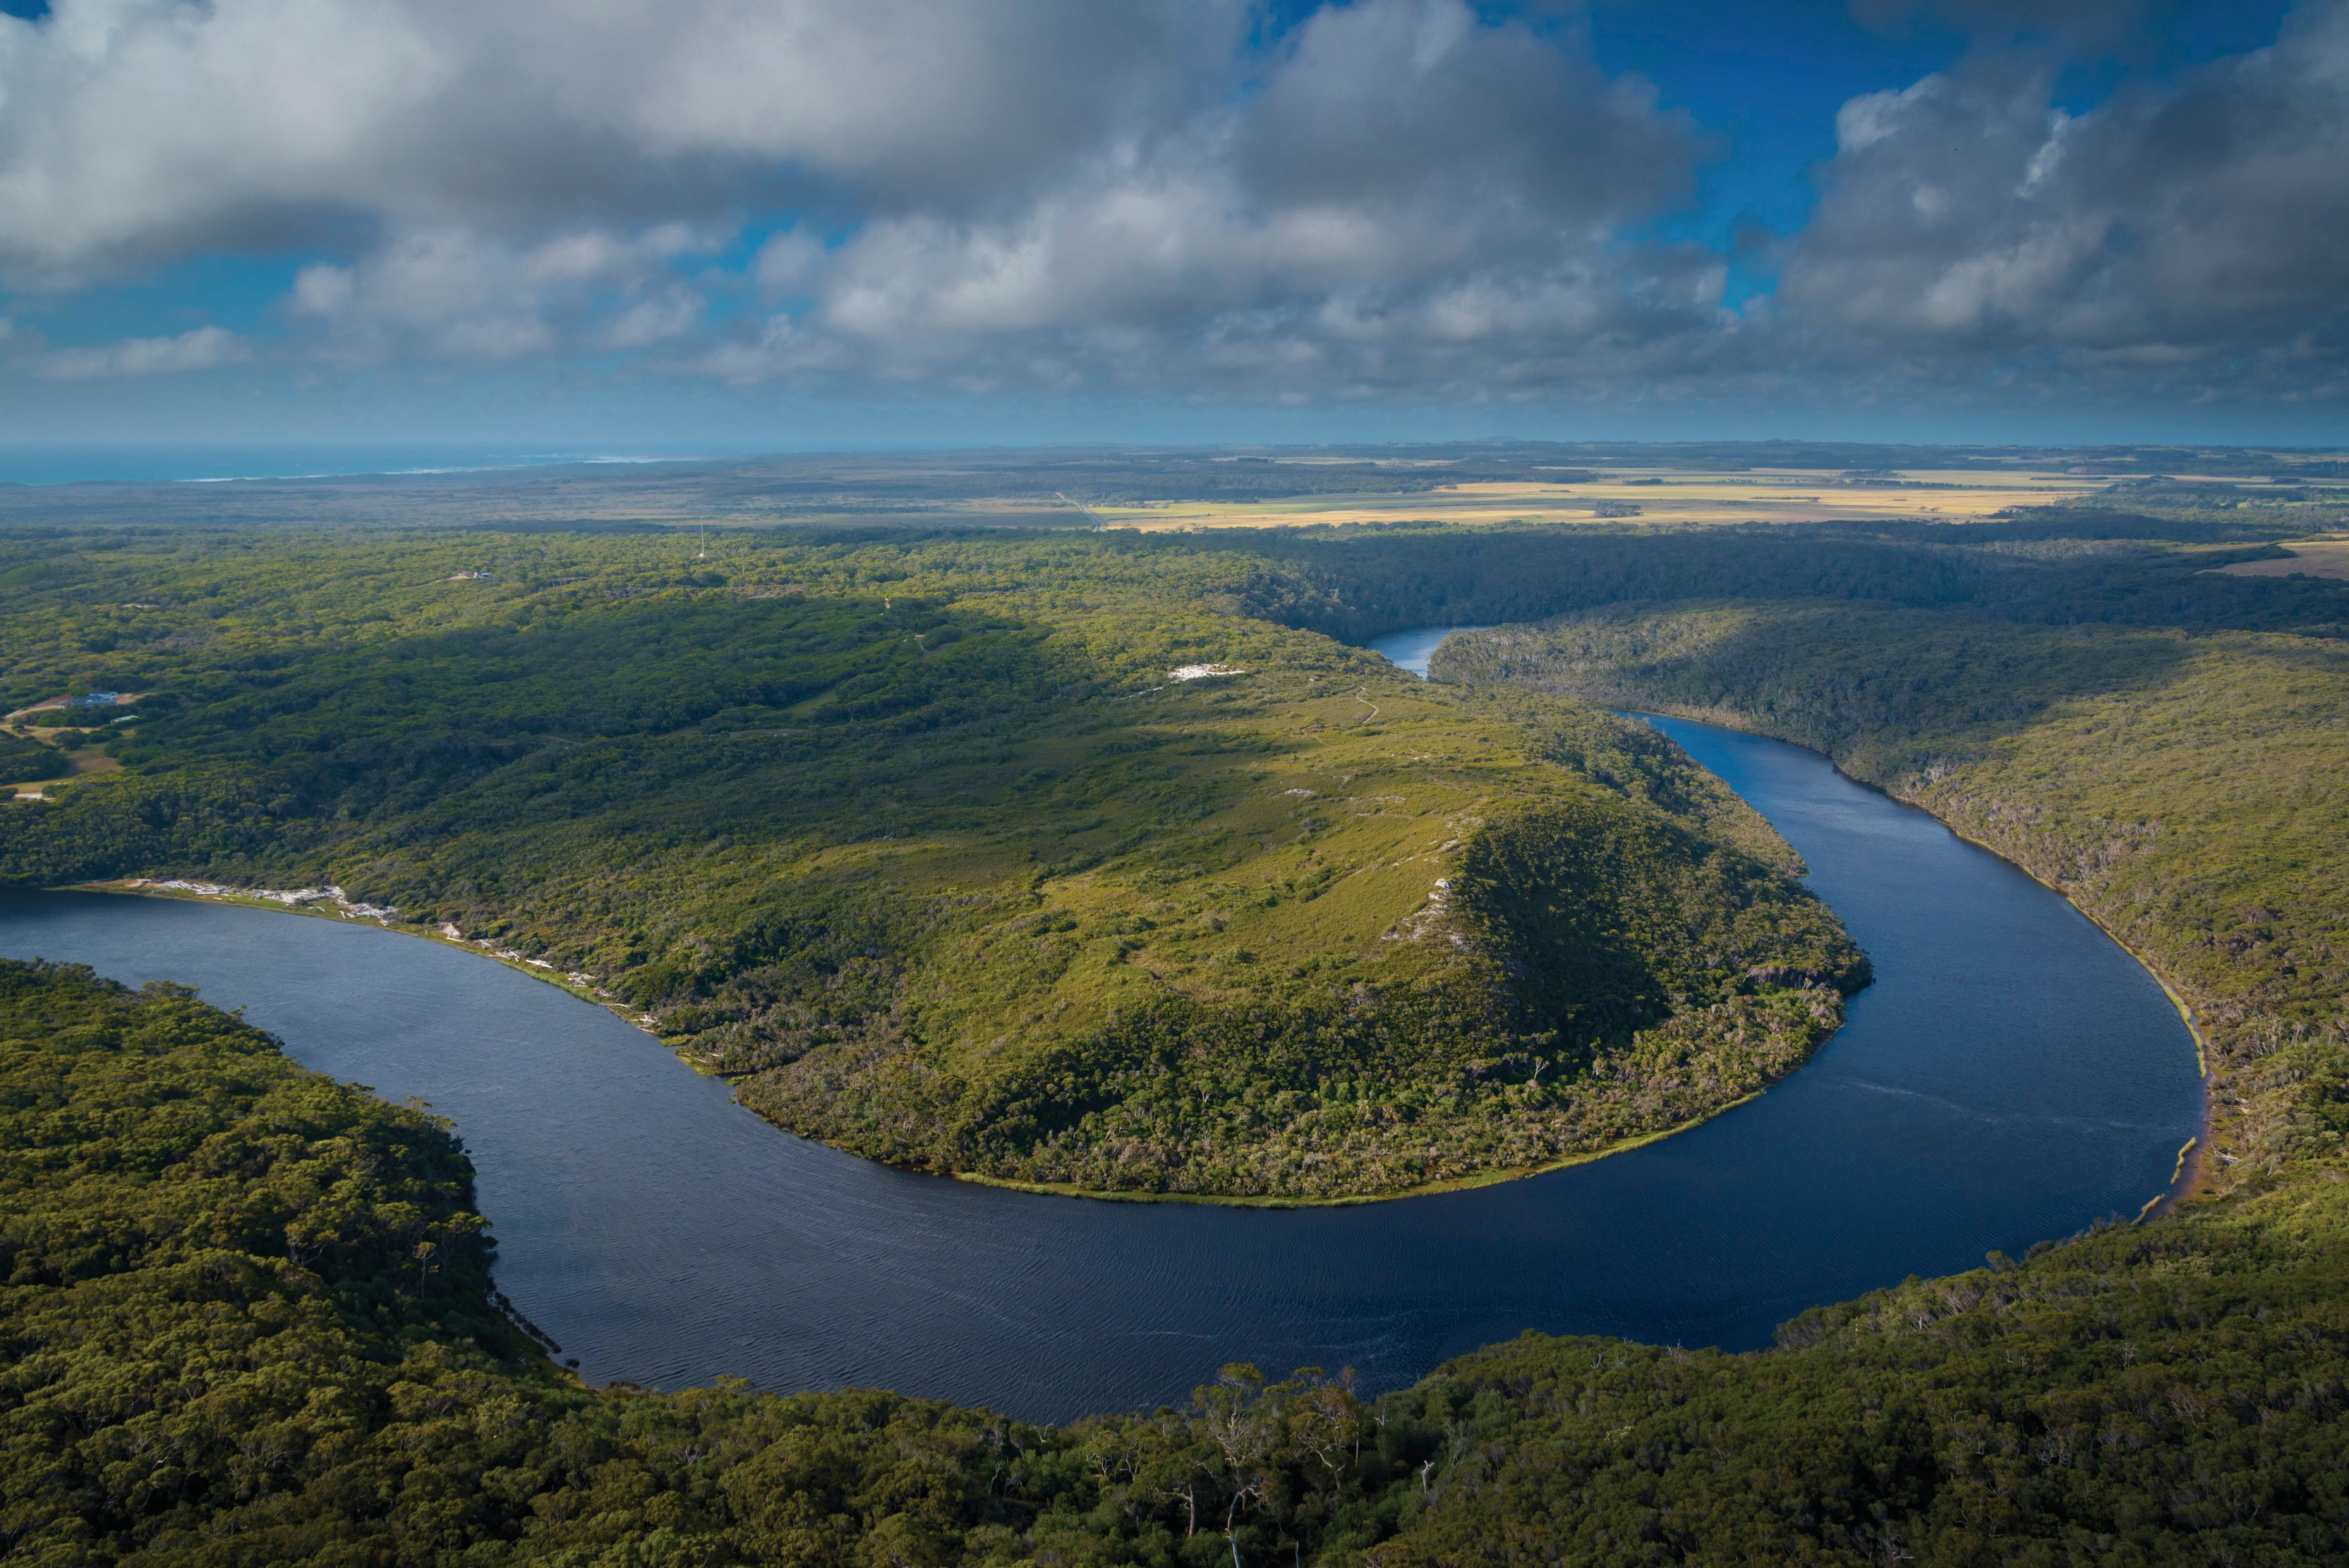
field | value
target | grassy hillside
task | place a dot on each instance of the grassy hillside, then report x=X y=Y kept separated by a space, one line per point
x=926 y=845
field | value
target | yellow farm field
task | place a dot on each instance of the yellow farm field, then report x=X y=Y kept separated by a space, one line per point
x=1675 y=495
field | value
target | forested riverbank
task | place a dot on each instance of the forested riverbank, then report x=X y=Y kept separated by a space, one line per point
x=789 y=802
x=246 y=1320
x=1007 y=857
x=2185 y=791
x=245 y=1306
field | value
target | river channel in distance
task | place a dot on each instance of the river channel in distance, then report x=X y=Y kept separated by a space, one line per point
x=2011 y=1076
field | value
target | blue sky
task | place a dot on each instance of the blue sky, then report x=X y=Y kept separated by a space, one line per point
x=910 y=222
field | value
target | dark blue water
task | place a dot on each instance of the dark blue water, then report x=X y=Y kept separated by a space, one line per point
x=2012 y=1075
x=1411 y=650
x=75 y=462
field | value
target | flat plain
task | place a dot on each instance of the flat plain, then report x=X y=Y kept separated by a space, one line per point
x=1653 y=494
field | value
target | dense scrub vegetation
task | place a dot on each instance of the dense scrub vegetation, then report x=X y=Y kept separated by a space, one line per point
x=2059 y=566
x=925 y=847
x=914 y=836
x=2188 y=792
x=25 y=759
x=245 y=1324
x=245 y=1316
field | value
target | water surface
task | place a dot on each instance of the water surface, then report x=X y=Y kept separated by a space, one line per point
x=2012 y=1075
x=1411 y=650
x=206 y=463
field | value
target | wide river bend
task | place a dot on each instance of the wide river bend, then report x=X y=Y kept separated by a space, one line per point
x=2012 y=1075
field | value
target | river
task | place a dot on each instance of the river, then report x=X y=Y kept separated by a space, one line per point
x=2012 y=1075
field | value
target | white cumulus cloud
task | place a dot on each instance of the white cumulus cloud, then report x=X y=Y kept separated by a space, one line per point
x=1384 y=198
x=136 y=128
x=202 y=349
x=1405 y=183
x=2193 y=222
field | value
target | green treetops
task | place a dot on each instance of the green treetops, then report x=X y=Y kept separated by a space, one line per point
x=934 y=850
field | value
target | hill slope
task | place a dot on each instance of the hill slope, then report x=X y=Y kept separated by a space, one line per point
x=929 y=848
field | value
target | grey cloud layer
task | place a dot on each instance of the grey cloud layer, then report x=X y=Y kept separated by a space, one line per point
x=1404 y=178
x=1402 y=198
x=133 y=128
x=2191 y=235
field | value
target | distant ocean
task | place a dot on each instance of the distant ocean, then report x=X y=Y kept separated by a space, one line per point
x=200 y=463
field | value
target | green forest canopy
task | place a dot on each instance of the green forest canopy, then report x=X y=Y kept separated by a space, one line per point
x=926 y=846
x=245 y=1315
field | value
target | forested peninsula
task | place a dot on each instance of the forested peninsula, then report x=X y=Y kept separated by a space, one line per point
x=245 y=1308
x=1028 y=858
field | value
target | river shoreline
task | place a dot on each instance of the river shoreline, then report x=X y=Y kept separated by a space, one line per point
x=244 y=898
x=1354 y=1201
x=667 y=1236
x=2192 y=1176
x=135 y=888
x=2189 y=1179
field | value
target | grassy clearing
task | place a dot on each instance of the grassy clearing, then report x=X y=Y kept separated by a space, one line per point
x=2309 y=557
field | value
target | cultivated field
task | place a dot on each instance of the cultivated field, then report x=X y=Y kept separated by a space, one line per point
x=1658 y=495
